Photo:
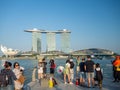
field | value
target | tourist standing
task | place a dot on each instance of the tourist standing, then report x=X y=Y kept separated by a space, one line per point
x=10 y=76
x=77 y=65
x=89 y=68
x=44 y=63
x=40 y=70
x=114 y=70
x=66 y=72
x=82 y=72
x=116 y=63
x=98 y=75
x=52 y=66
x=18 y=73
x=71 y=70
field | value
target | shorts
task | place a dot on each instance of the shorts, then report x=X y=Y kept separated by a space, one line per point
x=90 y=74
x=82 y=74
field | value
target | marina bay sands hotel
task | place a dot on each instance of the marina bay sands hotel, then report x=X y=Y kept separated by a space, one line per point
x=51 y=40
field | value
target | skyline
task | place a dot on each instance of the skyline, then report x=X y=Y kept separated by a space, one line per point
x=93 y=23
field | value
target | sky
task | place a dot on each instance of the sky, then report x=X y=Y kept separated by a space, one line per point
x=93 y=23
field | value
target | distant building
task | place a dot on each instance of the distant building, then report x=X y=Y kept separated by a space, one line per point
x=9 y=51
x=65 y=42
x=51 y=40
x=36 y=42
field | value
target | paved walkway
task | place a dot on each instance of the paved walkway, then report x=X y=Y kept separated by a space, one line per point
x=107 y=85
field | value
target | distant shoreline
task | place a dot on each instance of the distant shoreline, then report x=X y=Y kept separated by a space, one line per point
x=16 y=58
x=28 y=58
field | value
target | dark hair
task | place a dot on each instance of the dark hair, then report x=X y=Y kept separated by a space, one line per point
x=97 y=65
x=7 y=64
x=67 y=61
x=83 y=59
x=43 y=59
x=88 y=56
x=15 y=64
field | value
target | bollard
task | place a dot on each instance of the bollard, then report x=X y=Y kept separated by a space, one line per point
x=33 y=75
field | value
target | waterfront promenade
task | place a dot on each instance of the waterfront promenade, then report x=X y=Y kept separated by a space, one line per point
x=107 y=85
x=30 y=64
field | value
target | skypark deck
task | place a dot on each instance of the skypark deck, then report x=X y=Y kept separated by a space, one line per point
x=44 y=31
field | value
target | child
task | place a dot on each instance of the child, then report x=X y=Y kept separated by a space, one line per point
x=98 y=75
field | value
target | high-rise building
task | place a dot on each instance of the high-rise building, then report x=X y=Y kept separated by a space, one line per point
x=65 y=42
x=51 y=41
x=36 y=42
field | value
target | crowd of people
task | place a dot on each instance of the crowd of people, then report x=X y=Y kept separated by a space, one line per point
x=87 y=72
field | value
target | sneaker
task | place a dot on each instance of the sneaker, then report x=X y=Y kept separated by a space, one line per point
x=71 y=83
x=65 y=82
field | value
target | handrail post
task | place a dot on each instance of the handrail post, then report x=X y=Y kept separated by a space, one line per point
x=33 y=75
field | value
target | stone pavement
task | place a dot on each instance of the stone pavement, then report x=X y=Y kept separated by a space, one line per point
x=107 y=85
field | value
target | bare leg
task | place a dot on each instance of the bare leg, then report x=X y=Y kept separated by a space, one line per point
x=64 y=78
x=93 y=82
x=88 y=82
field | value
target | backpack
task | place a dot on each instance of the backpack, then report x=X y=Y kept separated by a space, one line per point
x=3 y=78
x=98 y=75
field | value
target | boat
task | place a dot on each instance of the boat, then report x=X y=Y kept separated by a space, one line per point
x=9 y=51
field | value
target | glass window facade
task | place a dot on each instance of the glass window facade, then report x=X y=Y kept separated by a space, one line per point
x=36 y=42
x=51 y=41
x=65 y=42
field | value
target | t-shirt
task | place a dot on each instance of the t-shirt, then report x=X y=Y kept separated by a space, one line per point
x=78 y=62
x=82 y=69
x=89 y=66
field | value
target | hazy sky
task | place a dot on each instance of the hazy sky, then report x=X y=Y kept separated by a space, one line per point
x=93 y=23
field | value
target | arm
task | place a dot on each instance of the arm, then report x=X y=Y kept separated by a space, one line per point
x=115 y=63
x=85 y=67
x=12 y=74
x=94 y=66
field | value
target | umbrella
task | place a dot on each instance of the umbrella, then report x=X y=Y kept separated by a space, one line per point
x=60 y=69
